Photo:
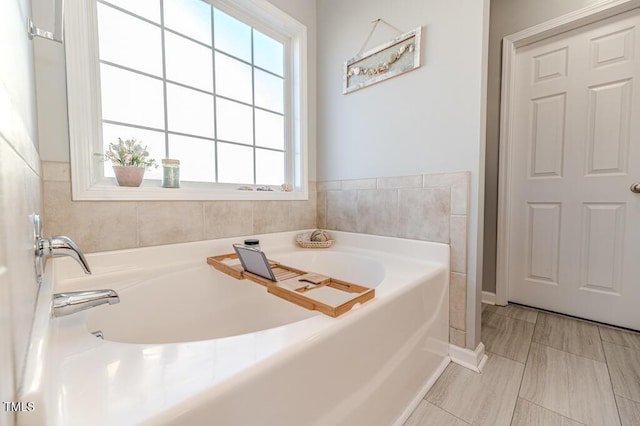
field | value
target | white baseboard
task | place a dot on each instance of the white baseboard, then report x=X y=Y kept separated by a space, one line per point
x=422 y=393
x=488 y=298
x=472 y=359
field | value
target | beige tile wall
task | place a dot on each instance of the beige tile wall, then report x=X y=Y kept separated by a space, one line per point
x=113 y=225
x=19 y=198
x=430 y=207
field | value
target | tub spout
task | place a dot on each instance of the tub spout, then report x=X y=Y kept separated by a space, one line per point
x=70 y=303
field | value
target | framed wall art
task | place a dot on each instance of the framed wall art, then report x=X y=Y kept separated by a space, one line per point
x=390 y=59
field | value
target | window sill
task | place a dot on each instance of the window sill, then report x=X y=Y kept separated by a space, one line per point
x=151 y=191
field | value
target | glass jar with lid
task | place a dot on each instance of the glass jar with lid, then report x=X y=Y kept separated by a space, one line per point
x=170 y=173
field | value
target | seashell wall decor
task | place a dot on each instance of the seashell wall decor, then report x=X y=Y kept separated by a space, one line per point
x=390 y=59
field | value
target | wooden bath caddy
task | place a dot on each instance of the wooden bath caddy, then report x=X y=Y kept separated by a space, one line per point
x=313 y=291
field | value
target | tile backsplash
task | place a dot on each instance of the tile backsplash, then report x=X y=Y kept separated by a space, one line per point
x=429 y=207
x=113 y=225
x=19 y=198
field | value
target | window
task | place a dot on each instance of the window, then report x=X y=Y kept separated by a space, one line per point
x=218 y=85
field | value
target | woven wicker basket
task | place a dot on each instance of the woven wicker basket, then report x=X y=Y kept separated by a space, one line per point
x=304 y=241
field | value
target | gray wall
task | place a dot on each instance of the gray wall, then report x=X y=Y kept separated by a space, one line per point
x=507 y=17
x=19 y=197
x=430 y=120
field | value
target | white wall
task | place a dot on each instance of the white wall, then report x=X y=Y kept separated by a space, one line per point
x=426 y=121
x=305 y=12
x=19 y=197
x=51 y=82
x=51 y=85
x=507 y=17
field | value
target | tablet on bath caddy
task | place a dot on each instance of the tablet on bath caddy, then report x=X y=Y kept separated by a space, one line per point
x=311 y=290
x=253 y=260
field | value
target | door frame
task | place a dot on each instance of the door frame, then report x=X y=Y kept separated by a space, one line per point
x=510 y=44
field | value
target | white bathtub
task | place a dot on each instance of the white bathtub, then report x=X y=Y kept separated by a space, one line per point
x=190 y=345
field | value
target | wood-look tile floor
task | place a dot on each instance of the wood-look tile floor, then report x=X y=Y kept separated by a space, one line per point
x=543 y=369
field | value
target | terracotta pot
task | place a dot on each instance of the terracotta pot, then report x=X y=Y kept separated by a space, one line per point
x=129 y=175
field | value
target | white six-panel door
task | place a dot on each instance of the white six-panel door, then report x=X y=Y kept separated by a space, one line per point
x=574 y=223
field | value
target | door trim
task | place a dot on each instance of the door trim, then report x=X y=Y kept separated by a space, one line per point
x=510 y=44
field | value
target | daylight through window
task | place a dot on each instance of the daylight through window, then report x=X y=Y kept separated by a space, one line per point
x=196 y=84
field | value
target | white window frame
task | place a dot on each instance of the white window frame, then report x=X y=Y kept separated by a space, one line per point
x=85 y=110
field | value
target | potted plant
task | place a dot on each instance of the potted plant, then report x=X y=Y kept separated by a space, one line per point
x=130 y=159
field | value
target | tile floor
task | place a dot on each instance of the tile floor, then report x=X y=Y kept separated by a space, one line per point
x=543 y=369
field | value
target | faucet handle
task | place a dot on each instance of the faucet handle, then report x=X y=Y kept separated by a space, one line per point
x=61 y=245
x=55 y=246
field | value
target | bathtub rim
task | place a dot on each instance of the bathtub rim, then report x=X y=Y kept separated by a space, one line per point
x=41 y=342
x=65 y=268
x=283 y=245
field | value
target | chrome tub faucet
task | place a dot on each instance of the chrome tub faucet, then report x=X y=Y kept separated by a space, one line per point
x=72 y=302
x=62 y=246
x=57 y=246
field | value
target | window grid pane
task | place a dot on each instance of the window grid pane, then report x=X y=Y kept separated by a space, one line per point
x=235 y=101
x=129 y=41
x=148 y=9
